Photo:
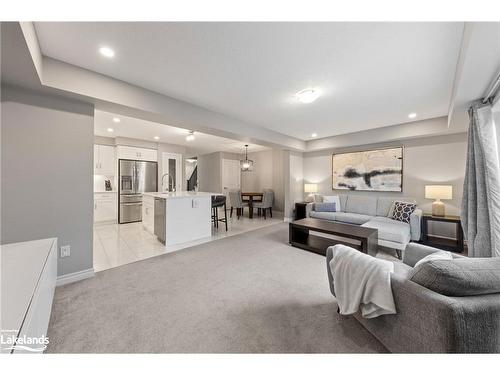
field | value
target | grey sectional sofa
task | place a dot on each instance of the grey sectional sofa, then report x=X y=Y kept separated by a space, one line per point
x=448 y=306
x=374 y=212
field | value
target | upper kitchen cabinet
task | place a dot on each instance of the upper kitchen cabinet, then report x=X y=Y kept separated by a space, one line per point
x=104 y=160
x=136 y=153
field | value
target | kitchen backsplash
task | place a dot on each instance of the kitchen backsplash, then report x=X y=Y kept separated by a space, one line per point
x=100 y=182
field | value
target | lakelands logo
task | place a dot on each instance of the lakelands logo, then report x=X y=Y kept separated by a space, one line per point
x=10 y=339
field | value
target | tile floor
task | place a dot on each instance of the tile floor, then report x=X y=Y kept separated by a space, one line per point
x=118 y=244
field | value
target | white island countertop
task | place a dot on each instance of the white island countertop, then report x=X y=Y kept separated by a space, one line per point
x=180 y=194
x=185 y=215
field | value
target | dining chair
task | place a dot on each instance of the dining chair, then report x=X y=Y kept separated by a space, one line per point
x=267 y=203
x=236 y=201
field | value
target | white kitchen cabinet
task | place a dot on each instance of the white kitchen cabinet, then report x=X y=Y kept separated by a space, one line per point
x=105 y=207
x=148 y=213
x=104 y=160
x=136 y=153
x=96 y=159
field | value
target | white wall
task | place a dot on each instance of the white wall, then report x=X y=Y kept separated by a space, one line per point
x=279 y=179
x=293 y=181
x=437 y=160
x=267 y=174
x=261 y=177
x=209 y=172
x=47 y=173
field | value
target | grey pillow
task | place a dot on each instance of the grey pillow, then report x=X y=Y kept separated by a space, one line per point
x=459 y=277
x=325 y=207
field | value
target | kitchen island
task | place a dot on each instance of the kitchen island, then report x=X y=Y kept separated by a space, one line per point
x=181 y=216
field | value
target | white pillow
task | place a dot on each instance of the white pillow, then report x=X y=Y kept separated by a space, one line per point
x=332 y=199
x=441 y=254
x=318 y=198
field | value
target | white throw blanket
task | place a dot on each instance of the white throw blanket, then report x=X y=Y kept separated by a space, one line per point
x=361 y=281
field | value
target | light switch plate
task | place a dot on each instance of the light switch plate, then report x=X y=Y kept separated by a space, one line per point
x=65 y=251
x=195 y=203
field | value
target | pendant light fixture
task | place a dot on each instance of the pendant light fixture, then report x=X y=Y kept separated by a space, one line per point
x=247 y=164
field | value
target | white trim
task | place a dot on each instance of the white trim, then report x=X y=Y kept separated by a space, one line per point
x=75 y=276
x=287 y=219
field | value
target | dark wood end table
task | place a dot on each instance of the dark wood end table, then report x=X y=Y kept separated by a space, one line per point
x=456 y=245
x=300 y=210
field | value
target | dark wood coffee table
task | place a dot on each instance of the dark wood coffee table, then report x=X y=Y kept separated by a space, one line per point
x=299 y=236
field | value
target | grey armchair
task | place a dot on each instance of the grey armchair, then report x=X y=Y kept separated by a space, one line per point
x=432 y=316
x=236 y=201
x=266 y=204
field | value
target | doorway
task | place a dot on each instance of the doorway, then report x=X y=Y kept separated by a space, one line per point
x=171 y=179
x=231 y=175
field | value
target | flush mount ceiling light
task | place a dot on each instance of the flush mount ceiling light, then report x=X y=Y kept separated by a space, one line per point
x=412 y=115
x=190 y=136
x=314 y=135
x=156 y=137
x=107 y=52
x=116 y=119
x=111 y=130
x=307 y=96
x=247 y=164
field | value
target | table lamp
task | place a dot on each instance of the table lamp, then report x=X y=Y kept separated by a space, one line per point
x=438 y=192
x=311 y=189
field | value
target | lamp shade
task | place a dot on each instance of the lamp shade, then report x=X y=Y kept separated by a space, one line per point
x=438 y=192
x=310 y=188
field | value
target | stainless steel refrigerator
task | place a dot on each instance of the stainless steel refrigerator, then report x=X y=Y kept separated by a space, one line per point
x=135 y=178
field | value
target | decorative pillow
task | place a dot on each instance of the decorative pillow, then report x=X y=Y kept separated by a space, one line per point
x=318 y=198
x=332 y=199
x=402 y=211
x=404 y=200
x=441 y=255
x=325 y=207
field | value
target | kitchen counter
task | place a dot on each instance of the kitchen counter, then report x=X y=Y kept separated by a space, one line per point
x=180 y=194
x=180 y=216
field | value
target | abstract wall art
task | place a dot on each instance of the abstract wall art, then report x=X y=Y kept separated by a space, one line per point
x=374 y=170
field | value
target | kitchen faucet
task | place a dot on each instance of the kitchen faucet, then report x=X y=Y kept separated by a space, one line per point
x=170 y=181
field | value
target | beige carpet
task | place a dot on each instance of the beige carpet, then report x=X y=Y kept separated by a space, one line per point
x=250 y=293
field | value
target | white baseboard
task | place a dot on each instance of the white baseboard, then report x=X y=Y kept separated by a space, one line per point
x=75 y=276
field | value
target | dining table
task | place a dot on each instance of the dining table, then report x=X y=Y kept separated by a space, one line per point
x=251 y=197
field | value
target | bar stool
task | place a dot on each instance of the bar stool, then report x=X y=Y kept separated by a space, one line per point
x=218 y=201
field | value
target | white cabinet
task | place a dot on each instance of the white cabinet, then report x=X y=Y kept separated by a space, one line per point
x=136 y=153
x=28 y=280
x=105 y=207
x=148 y=213
x=104 y=160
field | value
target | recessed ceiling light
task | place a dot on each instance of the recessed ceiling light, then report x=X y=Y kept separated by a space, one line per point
x=107 y=52
x=307 y=96
x=156 y=137
x=190 y=136
x=412 y=115
x=116 y=119
x=111 y=130
x=314 y=135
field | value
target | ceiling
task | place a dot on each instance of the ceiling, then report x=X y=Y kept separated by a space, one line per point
x=130 y=127
x=370 y=74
